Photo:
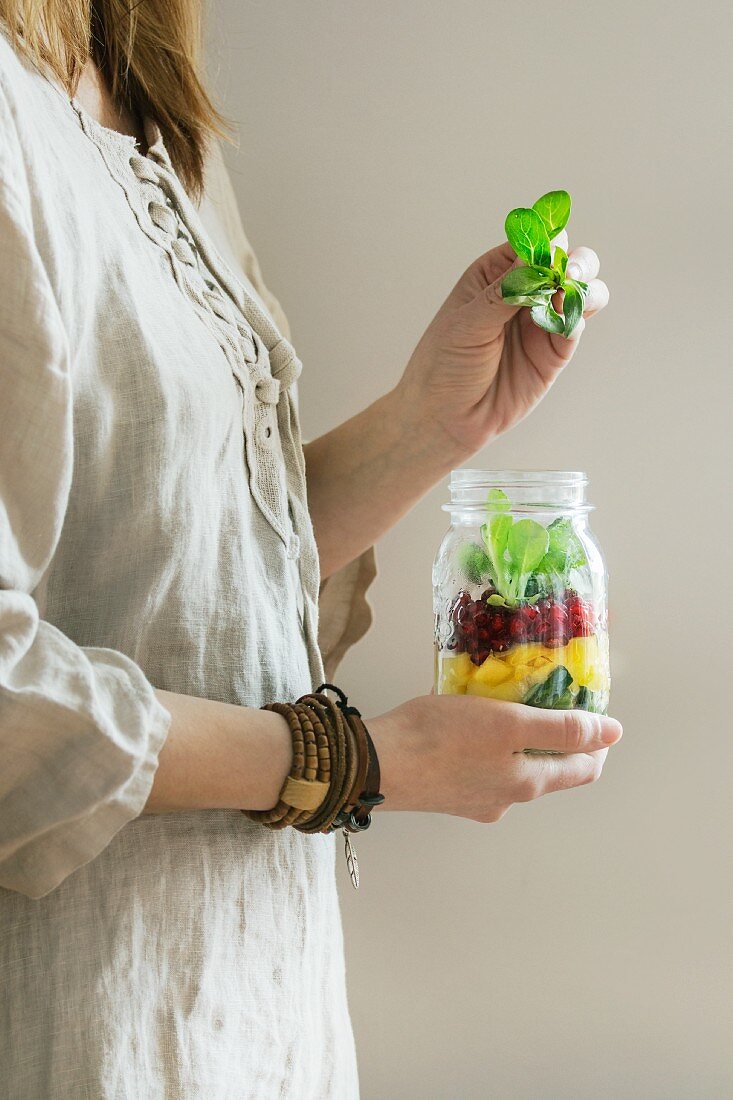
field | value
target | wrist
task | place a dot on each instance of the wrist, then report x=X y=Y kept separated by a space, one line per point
x=272 y=743
x=424 y=440
x=392 y=743
x=280 y=741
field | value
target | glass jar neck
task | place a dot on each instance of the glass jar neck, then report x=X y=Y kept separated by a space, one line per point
x=528 y=492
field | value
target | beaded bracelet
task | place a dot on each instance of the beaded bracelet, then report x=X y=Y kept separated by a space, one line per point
x=334 y=777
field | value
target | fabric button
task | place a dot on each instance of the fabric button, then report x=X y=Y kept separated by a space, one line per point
x=267 y=390
x=288 y=372
x=183 y=251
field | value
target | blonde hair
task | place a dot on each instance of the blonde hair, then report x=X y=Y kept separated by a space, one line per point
x=148 y=50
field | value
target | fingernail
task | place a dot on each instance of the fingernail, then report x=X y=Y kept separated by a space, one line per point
x=574 y=271
x=612 y=735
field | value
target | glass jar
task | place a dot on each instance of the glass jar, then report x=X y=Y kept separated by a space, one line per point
x=519 y=592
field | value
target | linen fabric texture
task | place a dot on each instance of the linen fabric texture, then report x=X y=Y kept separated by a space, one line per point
x=154 y=533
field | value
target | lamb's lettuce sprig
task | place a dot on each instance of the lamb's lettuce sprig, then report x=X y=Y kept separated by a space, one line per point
x=530 y=232
x=522 y=558
x=514 y=547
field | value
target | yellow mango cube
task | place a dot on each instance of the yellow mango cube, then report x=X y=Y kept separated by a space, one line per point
x=450 y=687
x=454 y=674
x=587 y=662
x=493 y=671
x=535 y=674
x=524 y=653
x=508 y=691
x=582 y=659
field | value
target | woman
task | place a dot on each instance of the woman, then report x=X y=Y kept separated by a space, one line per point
x=159 y=583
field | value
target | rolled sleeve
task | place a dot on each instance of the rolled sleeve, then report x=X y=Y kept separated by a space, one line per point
x=80 y=727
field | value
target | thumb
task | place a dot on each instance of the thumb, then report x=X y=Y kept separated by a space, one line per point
x=488 y=311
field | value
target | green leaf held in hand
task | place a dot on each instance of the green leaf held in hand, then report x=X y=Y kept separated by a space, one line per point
x=546 y=317
x=541 y=298
x=554 y=209
x=572 y=306
x=526 y=233
x=560 y=261
x=529 y=232
x=524 y=282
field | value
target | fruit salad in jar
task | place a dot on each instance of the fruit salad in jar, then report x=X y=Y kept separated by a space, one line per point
x=520 y=593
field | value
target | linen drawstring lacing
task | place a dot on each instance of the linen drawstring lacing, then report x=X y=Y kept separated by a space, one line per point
x=270 y=369
x=207 y=292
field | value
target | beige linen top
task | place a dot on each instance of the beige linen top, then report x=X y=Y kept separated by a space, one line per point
x=153 y=531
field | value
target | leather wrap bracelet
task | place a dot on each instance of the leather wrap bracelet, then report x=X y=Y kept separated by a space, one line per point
x=334 y=777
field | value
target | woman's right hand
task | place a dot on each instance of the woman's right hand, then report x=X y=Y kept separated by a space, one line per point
x=463 y=755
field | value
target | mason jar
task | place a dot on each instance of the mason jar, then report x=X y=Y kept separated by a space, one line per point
x=519 y=592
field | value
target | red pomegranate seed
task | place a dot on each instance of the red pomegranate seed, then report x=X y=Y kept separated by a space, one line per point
x=517 y=629
x=459 y=604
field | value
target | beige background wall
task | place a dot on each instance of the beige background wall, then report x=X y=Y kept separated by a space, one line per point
x=582 y=947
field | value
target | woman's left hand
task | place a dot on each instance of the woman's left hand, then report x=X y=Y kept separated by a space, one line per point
x=482 y=365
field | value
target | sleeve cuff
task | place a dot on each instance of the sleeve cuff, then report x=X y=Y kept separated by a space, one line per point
x=38 y=868
x=345 y=615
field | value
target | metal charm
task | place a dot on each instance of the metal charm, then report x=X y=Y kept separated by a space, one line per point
x=352 y=863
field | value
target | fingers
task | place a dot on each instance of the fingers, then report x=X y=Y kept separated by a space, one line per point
x=596 y=298
x=487 y=313
x=543 y=775
x=583 y=263
x=568 y=731
x=483 y=307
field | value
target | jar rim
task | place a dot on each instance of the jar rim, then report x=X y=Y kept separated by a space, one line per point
x=465 y=477
x=529 y=491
